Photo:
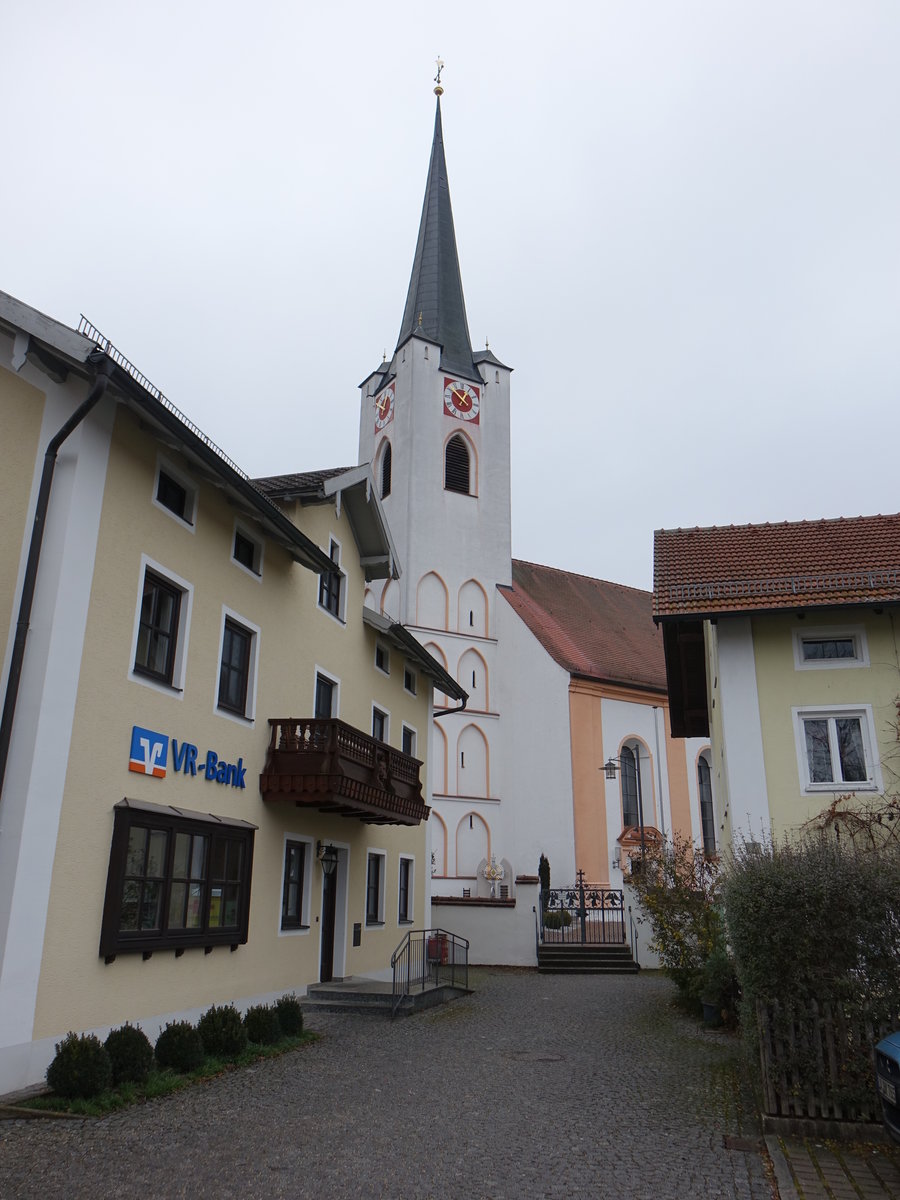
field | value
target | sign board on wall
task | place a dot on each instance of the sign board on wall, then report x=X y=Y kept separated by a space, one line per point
x=150 y=756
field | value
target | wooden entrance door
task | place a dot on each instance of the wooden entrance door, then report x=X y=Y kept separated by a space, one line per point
x=329 y=904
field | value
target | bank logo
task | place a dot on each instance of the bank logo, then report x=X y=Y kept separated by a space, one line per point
x=149 y=752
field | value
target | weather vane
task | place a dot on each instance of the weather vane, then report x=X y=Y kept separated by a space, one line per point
x=439 y=91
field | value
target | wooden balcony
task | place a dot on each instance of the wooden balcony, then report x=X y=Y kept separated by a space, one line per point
x=330 y=766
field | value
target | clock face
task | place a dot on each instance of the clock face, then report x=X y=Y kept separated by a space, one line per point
x=462 y=400
x=384 y=407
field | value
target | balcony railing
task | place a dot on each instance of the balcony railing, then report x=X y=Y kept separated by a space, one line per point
x=337 y=769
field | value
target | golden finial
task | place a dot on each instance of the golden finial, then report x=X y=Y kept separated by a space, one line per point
x=439 y=91
x=420 y=320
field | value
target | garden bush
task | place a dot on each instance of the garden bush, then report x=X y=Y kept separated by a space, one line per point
x=81 y=1067
x=814 y=929
x=817 y=920
x=130 y=1054
x=679 y=891
x=180 y=1047
x=222 y=1032
x=261 y=1023
x=557 y=918
x=290 y=1015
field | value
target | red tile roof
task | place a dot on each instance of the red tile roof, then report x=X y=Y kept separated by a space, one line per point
x=592 y=628
x=745 y=568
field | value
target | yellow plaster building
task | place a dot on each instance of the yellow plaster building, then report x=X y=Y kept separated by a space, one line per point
x=196 y=713
x=781 y=645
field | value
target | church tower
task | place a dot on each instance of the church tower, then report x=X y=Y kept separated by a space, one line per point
x=434 y=423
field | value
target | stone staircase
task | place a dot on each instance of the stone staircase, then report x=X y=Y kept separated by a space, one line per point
x=357 y=994
x=573 y=958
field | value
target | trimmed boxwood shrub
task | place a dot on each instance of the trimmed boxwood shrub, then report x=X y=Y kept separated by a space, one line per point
x=261 y=1023
x=557 y=918
x=81 y=1067
x=222 y=1032
x=179 y=1046
x=290 y=1015
x=130 y=1054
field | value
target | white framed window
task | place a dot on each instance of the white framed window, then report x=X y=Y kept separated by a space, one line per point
x=381 y=723
x=296 y=881
x=836 y=749
x=405 y=883
x=409 y=679
x=382 y=658
x=375 y=864
x=830 y=647
x=246 y=550
x=238 y=659
x=327 y=696
x=161 y=624
x=408 y=741
x=175 y=493
x=333 y=586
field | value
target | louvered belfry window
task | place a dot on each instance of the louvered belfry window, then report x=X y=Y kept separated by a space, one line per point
x=456 y=466
x=386 y=471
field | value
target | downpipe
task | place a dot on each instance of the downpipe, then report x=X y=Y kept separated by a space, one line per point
x=26 y=601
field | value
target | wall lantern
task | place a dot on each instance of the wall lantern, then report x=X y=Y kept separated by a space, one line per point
x=327 y=856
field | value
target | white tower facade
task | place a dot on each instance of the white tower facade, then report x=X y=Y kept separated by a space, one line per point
x=435 y=424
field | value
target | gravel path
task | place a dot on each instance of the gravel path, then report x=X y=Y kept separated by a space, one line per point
x=535 y=1086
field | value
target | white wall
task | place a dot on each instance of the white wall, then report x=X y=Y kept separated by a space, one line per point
x=498 y=936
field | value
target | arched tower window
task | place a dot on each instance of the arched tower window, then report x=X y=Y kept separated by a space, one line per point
x=456 y=465
x=386 y=471
x=707 y=813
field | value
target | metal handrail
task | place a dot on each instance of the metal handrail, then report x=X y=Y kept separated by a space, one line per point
x=428 y=957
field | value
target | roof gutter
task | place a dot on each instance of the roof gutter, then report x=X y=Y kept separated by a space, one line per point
x=99 y=360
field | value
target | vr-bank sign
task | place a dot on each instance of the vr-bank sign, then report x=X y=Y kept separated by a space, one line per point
x=150 y=755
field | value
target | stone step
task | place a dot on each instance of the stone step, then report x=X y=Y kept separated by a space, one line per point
x=574 y=959
x=588 y=969
x=374 y=998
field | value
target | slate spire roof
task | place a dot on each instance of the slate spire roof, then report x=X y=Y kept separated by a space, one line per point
x=435 y=307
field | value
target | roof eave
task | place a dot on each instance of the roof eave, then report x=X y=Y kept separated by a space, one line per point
x=355 y=489
x=400 y=637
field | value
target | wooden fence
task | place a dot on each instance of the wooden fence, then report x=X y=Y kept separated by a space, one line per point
x=818 y=1061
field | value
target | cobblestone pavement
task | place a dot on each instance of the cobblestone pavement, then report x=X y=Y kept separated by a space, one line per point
x=535 y=1086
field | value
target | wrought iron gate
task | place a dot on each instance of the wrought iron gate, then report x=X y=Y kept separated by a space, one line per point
x=583 y=913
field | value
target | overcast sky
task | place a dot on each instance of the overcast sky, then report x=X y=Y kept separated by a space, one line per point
x=679 y=223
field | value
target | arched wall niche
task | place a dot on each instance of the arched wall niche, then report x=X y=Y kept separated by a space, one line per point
x=472 y=615
x=472 y=763
x=432 y=602
x=473 y=843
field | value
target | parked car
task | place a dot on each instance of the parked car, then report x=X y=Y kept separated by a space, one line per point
x=887 y=1081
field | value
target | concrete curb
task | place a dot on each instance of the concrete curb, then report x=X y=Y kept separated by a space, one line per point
x=783 y=1177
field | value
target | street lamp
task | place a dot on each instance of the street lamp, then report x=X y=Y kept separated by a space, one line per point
x=617 y=763
x=327 y=856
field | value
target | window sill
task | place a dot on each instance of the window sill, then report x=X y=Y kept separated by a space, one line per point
x=405 y=921
x=818 y=789
x=374 y=924
x=294 y=929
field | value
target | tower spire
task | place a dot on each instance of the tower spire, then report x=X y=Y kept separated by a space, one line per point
x=435 y=306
